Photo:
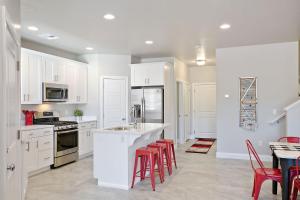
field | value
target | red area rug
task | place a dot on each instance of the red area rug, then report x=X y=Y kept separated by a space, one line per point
x=202 y=145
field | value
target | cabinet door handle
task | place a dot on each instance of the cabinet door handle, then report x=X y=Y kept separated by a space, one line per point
x=47 y=142
x=145 y=81
x=24 y=97
x=28 y=146
x=148 y=80
x=28 y=96
x=37 y=144
x=47 y=158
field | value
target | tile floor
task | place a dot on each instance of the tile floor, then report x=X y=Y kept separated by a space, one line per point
x=199 y=177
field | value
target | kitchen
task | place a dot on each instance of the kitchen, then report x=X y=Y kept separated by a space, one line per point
x=145 y=100
x=52 y=88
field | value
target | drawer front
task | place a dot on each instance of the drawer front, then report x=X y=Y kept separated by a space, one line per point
x=88 y=125
x=45 y=132
x=92 y=125
x=45 y=158
x=45 y=142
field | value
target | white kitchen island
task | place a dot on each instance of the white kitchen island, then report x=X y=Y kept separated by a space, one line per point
x=114 y=152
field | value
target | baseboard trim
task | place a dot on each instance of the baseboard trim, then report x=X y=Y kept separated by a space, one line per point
x=110 y=185
x=205 y=135
x=240 y=156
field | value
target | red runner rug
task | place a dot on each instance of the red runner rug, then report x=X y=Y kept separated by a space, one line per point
x=202 y=145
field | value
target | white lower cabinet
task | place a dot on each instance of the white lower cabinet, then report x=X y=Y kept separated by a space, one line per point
x=37 y=145
x=37 y=149
x=86 y=138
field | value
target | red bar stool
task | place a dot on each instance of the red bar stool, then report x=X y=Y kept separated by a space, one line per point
x=170 y=147
x=164 y=157
x=150 y=155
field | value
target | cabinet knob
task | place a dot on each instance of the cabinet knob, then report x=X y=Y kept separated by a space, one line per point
x=11 y=167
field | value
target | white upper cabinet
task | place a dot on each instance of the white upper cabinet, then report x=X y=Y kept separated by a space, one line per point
x=37 y=68
x=54 y=70
x=77 y=81
x=147 y=74
x=31 y=82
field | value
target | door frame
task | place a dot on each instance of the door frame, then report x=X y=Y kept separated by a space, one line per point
x=6 y=22
x=208 y=135
x=101 y=99
x=180 y=83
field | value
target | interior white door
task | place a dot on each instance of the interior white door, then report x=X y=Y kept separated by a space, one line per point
x=10 y=109
x=114 y=102
x=183 y=91
x=180 y=110
x=187 y=110
x=204 y=110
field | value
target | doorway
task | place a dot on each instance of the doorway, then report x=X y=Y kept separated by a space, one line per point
x=183 y=110
x=204 y=110
x=113 y=101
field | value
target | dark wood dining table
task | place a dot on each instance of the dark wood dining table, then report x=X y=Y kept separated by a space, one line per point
x=286 y=154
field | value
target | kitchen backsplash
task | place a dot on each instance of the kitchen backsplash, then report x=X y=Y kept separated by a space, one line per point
x=62 y=110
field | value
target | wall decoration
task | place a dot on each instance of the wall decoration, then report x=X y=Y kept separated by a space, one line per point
x=248 y=103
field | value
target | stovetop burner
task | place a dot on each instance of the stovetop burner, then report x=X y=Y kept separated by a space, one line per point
x=47 y=118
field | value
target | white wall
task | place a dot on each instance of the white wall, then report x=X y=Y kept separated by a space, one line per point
x=48 y=50
x=276 y=67
x=181 y=71
x=102 y=65
x=292 y=119
x=202 y=74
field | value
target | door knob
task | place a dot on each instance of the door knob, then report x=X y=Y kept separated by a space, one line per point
x=11 y=167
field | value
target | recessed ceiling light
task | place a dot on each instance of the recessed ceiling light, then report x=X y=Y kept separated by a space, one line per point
x=89 y=48
x=17 y=26
x=109 y=17
x=149 y=42
x=200 y=62
x=33 y=28
x=225 y=26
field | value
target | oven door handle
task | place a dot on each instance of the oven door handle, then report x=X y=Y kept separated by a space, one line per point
x=63 y=132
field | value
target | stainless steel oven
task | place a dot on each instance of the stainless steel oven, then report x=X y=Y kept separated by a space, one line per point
x=53 y=92
x=65 y=145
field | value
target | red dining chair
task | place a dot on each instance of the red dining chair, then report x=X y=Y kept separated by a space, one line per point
x=261 y=173
x=296 y=182
x=289 y=139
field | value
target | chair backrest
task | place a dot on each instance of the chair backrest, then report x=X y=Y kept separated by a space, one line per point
x=289 y=139
x=297 y=166
x=252 y=153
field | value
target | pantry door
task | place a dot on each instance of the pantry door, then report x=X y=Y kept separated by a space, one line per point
x=114 y=106
x=204 y=110
x=10 y=145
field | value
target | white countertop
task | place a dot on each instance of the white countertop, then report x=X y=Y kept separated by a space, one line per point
x=82 y=120
x=140 y=129
x=34 y=127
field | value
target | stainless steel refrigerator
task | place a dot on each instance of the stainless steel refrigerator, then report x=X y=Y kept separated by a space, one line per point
x=149 y=103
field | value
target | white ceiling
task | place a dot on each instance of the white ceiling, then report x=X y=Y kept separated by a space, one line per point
x=175 y=26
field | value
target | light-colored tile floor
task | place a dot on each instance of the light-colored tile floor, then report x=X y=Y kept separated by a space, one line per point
x=198 y=177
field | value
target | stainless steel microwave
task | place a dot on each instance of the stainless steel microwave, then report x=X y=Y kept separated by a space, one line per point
x=53 y=92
